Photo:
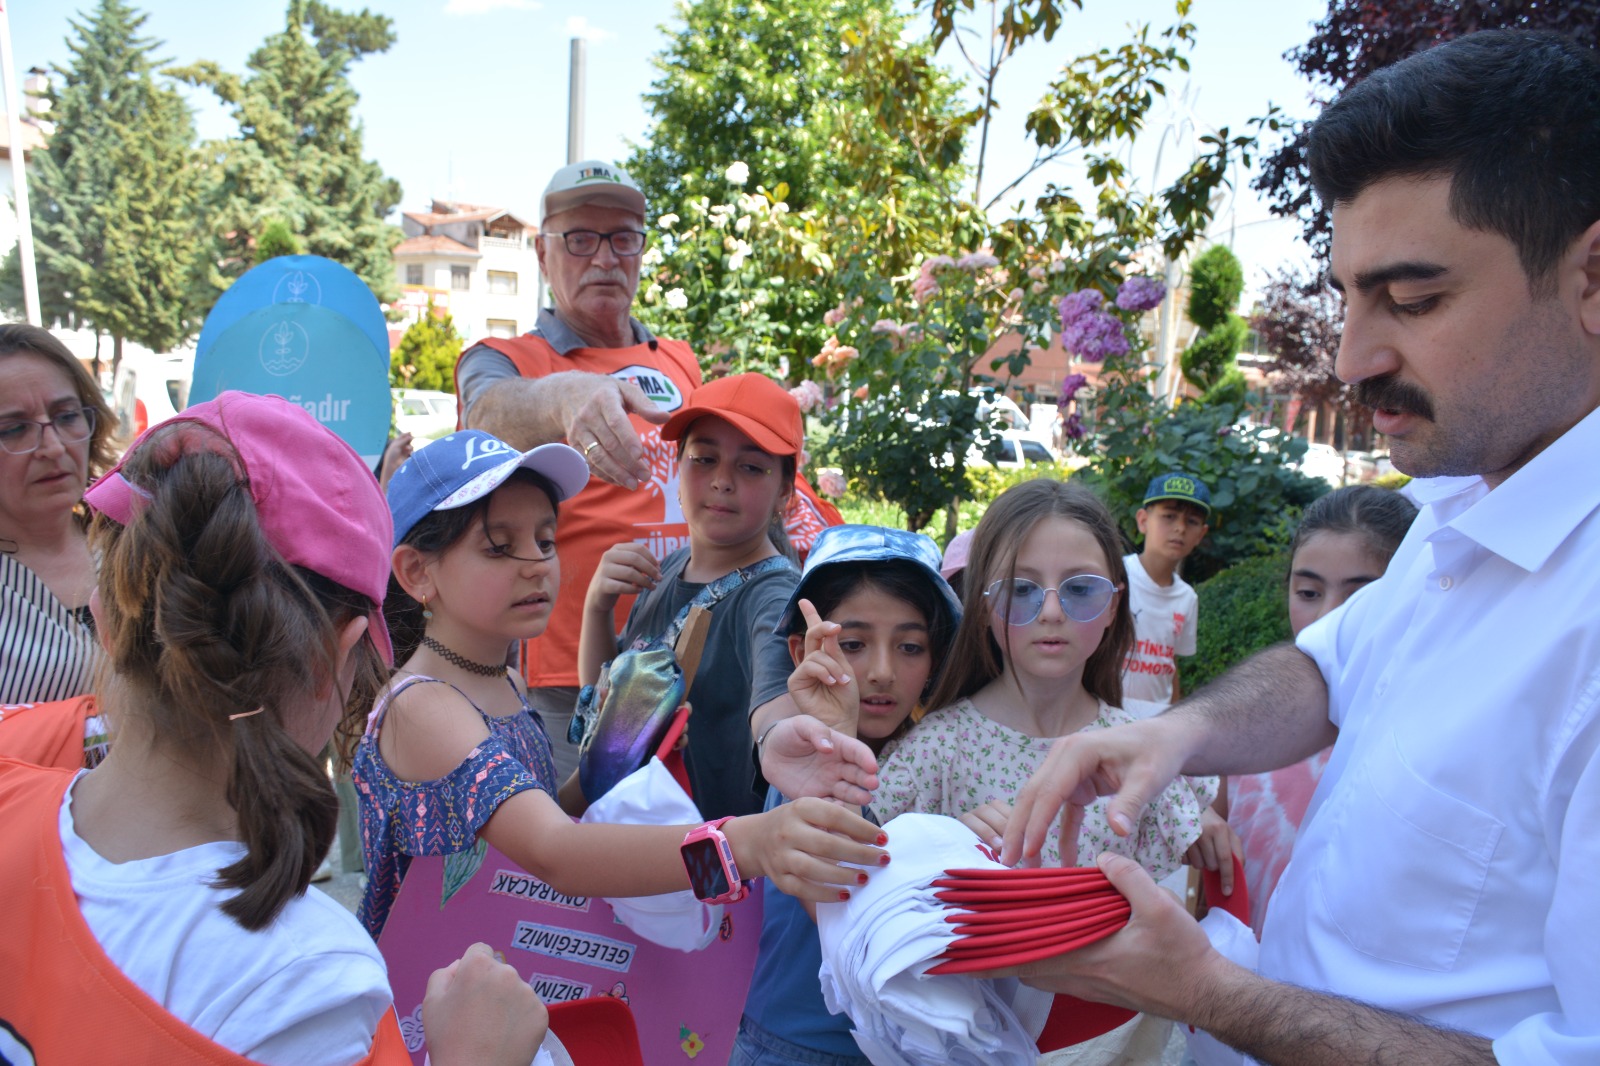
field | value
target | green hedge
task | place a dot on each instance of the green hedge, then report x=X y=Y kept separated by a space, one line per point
x=1242 y=609
x=984 y=483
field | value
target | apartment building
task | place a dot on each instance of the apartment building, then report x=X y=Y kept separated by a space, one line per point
x=476 y=262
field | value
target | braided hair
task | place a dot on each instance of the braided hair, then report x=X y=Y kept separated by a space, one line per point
x=202 y=620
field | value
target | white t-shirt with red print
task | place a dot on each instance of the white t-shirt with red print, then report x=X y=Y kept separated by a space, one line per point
x=1163 y=628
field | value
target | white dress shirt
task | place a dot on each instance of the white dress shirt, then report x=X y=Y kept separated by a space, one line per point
x=1449 y=865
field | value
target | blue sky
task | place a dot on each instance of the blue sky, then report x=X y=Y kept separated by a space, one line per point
x=471 y=101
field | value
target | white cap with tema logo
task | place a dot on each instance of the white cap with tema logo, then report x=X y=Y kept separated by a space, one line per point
x=590 y=182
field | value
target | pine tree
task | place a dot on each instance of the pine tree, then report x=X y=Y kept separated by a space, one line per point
x=298 y=154
x=277 y=239
x=427 y=353
x=119 y=236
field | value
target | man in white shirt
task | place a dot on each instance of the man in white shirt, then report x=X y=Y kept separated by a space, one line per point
x=1440 y=904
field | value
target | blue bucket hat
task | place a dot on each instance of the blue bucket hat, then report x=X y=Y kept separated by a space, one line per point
x=842 y=545
x=1178 y=486
x=466 y=466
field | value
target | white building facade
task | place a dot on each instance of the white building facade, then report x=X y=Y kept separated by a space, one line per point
x=475 y=262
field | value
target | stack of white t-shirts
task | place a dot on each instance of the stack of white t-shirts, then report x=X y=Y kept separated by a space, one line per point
x=878 y=946
x=650 y=796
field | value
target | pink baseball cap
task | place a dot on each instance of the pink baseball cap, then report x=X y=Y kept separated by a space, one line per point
x=956 y=554
x=317 y=502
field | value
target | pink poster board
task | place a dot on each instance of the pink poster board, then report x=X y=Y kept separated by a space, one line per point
x=686 y=1005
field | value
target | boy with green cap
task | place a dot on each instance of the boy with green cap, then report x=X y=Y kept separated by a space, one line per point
x=1173 y=521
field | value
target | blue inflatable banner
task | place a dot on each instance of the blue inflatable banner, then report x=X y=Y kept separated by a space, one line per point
x=299 y=279
x=311 y=356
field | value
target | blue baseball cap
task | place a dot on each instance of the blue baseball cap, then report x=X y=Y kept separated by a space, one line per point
x=840 y=545
x=466 y=466
x=1178 y=486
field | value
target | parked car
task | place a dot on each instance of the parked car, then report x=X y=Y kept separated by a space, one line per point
x=424 y=413
x=1325 y=462
x=148 y=390
x=1018 y=447
x=1361 y=467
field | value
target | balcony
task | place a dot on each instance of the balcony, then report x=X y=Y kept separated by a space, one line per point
x=502 y=244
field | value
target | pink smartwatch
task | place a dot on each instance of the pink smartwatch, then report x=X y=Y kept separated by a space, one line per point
x=713 y=875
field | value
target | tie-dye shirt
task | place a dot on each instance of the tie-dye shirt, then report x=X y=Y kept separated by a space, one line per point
x=402 y=819
x=1266 y=811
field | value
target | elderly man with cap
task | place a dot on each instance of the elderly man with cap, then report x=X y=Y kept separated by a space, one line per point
x=592 y=375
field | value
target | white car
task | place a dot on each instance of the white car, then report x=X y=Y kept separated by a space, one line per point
x=1018 y=447
x=1325 y=462
x=148 y=390
x=424 y=413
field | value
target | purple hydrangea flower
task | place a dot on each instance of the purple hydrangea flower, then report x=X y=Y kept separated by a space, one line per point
x=1076 y=305
x=1140 y=294
x=1095 y=336
x=1070 y=386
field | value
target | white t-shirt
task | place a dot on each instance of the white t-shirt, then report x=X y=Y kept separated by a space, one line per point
x=1163 y=628
x=1448 y=862
x=308 y=990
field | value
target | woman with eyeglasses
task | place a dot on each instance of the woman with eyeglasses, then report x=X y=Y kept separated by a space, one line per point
x=1045 y=628
x=55 y=434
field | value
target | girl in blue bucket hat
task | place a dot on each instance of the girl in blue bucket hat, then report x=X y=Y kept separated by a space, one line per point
x=868 y=626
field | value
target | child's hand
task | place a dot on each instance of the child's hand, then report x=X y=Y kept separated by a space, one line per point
x=821 y=684
x=989 y=822
x=477 y=1010
x=1216 y=848
x=801 y=756
x=800 y=845
x=625 y=569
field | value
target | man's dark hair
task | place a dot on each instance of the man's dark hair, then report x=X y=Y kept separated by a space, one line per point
x=1512 y=117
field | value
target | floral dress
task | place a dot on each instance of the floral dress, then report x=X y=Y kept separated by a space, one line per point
x=957 y=759
x=402 y=819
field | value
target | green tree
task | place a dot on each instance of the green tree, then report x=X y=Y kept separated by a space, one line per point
x=1096 y=104
x=1246 y=609
x=118 y=235
x=1216 y=280
x=277 y=239
x=427 y=353
x=1357 y=37
x=751 y=101
x=298 y=154
x=1255 y=492
x=858 y=133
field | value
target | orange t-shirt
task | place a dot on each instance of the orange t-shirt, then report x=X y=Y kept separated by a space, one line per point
x=62 y=999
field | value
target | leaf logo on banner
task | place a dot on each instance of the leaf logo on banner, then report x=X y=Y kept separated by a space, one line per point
x=284 y=348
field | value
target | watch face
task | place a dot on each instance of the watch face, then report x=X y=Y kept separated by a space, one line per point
x=707 y=877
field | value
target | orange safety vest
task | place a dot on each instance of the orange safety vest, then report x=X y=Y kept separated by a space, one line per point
x=604 y=514
x=46 y=734
x=61 y=997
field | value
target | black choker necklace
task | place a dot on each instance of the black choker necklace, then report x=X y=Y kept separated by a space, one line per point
x=462 y=661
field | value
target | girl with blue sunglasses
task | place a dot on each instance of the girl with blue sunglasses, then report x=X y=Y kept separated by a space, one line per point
x=1038 y=655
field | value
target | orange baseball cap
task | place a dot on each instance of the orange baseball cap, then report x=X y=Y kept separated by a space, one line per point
x=753 y=404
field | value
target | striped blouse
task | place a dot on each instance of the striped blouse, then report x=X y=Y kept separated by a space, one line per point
x=47 y=650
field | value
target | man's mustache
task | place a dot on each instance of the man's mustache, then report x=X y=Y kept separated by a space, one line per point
x=1389 y=393
x=605 y=277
